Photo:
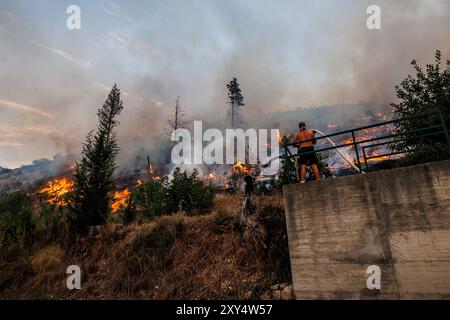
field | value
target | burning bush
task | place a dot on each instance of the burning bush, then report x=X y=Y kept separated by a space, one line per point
x=56 y=190
x=120 y=200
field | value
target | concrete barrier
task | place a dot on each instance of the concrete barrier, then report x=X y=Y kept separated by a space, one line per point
x=396 y=219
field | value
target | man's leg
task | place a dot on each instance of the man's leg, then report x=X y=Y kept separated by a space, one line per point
x=303 y=173
x=316 y=171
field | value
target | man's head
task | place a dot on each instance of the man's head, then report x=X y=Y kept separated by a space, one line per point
x=302 y=126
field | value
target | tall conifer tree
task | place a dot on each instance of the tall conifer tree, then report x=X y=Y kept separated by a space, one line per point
x=91 y=199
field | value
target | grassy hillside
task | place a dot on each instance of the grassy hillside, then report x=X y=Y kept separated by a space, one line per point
x=173 y=257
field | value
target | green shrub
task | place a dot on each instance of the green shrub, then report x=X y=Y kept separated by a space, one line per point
x=16 y=228
x=426 y=153
x=150 y=199
x=424 y=92
x=50 y=224
x=185 y=192
x=189 y=193
x=21 y=225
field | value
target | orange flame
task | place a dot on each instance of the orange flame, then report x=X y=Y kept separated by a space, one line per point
x=56 y=189
x=211 y=176
x=376 y=158
x=120 y=199
x=241 y=168
x=280 y=136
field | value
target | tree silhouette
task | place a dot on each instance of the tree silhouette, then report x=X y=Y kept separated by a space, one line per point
x=236 y=101
x=176 y=120
x=426 y=91
x=91 y=199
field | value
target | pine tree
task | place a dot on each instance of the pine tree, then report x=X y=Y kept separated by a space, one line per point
x=236 y=101
x=91 y=199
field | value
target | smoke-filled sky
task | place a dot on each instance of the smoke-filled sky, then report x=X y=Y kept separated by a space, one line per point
x=286 y=54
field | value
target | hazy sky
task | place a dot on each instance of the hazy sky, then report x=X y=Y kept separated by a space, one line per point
x=285 y=54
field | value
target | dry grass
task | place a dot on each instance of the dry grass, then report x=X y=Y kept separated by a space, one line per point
x=174 y=257
x=47 y=258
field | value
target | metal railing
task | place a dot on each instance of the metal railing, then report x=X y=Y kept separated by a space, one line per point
x=394 y=138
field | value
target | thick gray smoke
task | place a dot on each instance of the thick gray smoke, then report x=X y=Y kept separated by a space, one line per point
x=286 y=55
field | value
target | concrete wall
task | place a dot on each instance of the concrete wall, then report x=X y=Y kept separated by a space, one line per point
x=397 y=219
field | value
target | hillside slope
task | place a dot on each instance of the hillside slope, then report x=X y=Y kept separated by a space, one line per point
x=174 y=257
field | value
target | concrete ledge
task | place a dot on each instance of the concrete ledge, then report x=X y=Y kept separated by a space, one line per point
x=397 y=219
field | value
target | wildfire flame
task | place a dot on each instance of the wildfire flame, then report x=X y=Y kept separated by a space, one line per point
x=211 y=176
x=373 y=130
x=56 y=189
x=227 y=186
x=150 y=169
x=376 y=158
x=241 y=168
x=120 y=199
x=280 y=136
x=357 y=139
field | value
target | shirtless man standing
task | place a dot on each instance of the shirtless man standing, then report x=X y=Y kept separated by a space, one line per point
x=305 y=141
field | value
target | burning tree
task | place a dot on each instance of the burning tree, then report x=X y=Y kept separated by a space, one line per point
x=91 y=199
x=423 y=93
x=236 y=101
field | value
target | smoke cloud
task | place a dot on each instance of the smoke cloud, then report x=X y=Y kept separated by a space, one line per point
x=287 y=55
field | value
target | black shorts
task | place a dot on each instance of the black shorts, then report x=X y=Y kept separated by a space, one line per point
x=309 y=158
